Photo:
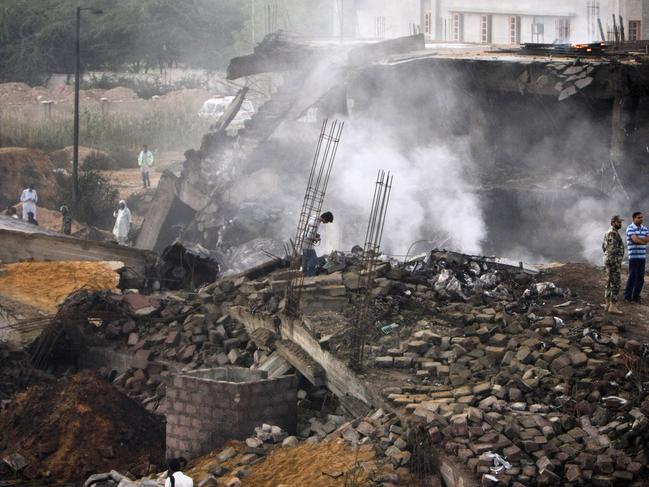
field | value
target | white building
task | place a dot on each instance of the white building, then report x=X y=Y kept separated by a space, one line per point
x=503 y=22
x=519 y=21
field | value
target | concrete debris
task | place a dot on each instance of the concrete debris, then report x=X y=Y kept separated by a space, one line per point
x=507 y=370
x=16 y=461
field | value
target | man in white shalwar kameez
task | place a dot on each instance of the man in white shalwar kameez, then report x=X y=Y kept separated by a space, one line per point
x=122 y=223
x=29 y=198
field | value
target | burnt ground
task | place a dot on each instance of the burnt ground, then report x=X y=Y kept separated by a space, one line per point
x=588 y=282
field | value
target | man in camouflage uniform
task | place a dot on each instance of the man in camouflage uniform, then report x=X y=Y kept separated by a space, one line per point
x=613 y=247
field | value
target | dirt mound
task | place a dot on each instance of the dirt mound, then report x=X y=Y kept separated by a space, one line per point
x=45 y=285
x=120 y=93
x=89 y=158
x=326 y=465
x=79 y=426
x=20 y=166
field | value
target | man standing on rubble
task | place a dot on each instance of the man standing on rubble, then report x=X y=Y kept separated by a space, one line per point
x=29 y=198
x=637 y=237
x=613 y=248
x=122 y=223
x=145 y=161
x=311 y=239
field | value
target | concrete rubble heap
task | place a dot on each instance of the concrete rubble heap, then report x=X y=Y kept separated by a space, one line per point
x=227 y=466
x=498 y=361
x=519 y=380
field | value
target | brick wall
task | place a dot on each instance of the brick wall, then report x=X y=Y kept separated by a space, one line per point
x=205 y=408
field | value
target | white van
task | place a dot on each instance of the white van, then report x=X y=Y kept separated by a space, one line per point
x=214 y=107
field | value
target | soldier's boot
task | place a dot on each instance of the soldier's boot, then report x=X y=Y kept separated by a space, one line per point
x=607 y=305
x=612 y=309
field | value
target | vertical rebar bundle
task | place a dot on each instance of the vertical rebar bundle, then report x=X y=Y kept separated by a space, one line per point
x=323 y=161
x=371 y=252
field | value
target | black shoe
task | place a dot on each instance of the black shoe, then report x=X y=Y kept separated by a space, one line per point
x=637 y=300
x=628 y=300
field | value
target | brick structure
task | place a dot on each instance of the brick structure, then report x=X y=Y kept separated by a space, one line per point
x=207 y=407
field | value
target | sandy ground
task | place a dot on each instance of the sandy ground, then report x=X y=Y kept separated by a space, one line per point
x=44 y=285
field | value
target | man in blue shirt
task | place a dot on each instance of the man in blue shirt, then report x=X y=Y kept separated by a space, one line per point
x=637 y=237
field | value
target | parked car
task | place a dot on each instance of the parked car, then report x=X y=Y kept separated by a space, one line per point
x=214 y=107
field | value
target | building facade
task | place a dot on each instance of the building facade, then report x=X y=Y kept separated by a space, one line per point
x=501 y=22
x=513 y=22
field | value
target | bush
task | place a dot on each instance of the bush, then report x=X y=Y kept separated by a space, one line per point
x=144 y=86
x=98 y=161
x=98 y=199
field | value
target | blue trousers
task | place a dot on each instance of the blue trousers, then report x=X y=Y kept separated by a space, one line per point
x=636 y=279
x=309 y=262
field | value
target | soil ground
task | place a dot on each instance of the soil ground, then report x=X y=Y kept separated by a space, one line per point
x=325 y=464
x=19 y=167
x=589 y=282
x=79 y=426
x=44 y=285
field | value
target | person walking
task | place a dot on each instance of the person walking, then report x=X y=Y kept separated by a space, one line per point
x=637 y=237
x=613 y=248
x=145 y=161
x=311 y=239
x=122 y=223
x=29 y=198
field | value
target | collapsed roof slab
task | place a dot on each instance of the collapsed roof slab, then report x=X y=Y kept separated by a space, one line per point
x=23 y=241
x=280 y=52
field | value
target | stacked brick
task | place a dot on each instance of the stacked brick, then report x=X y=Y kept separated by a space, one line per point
x=205 y=408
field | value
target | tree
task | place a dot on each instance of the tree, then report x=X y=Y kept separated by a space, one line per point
x=37 y=38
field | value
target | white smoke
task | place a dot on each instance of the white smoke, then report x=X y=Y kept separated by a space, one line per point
x=434 y=193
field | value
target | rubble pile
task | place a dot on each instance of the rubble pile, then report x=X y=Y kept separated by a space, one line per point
x=170 y=330
x=499 y=362
x=520 y=380
x=64 y=431
x=272 y=457
x=524 y=382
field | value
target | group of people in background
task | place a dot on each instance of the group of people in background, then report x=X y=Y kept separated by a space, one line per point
x=637 y=238
x=123 y=217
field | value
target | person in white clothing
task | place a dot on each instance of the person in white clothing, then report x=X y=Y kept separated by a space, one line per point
x=122 y=223
x=29 y=198
x=175 y=478
x=145 y=161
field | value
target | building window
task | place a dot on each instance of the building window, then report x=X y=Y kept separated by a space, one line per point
x=634 y=30
x=428 y=23
x=458 y=27
x=563 y=30
x=514 y=30
x=379 y=27
x=485 y=29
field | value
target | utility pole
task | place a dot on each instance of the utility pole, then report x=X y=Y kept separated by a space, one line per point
x=252 y=21
x=77 y=83
x=75 y=150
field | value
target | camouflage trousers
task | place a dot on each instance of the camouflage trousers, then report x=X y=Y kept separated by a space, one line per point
x=613 y=281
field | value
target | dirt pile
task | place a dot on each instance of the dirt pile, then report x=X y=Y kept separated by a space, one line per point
x=62 y=158
x=78 y=426
x=46 y=284
x=19 y=167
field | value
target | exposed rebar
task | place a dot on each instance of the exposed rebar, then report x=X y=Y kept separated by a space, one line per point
x=323 y=161
x=371 y=251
